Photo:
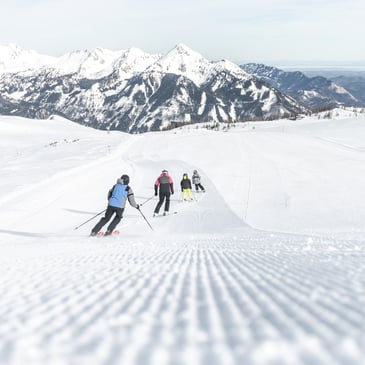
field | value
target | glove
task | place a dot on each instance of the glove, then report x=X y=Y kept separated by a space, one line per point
x=172 y=193
x=155 y=193
x=137 y=207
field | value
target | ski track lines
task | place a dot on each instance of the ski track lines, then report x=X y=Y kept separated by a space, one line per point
x=56 y=189
x=44 y=176
x=77 y=170
x=244 y=301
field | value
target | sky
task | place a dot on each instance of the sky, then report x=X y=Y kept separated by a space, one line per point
x=267 y=31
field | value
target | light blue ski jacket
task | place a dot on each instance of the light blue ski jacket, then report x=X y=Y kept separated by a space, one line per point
x=118 y=195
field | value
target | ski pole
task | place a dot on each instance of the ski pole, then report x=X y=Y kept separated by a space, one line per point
x=90 y=219
x=145 y=218
x=147 y=200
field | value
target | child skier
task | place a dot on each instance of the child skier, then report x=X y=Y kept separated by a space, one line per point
x=117 y=198
x=186 y=187
x=196 y=181
x=166 y=185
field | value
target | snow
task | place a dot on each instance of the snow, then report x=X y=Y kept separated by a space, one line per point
x=266 y=267
x=175 y=61
x=101 y=62
x=95 y=63
x=14 y=59
x=182 y=60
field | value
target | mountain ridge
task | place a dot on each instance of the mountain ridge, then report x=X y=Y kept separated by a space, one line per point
x=312 y=92
x=133 y=91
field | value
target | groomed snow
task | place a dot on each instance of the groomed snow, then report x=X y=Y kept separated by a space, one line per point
x=265 y=268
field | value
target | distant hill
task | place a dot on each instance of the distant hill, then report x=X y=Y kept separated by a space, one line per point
x=313 y=92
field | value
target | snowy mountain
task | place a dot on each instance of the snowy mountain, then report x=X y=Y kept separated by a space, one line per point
x=100 y=62
x=312 y=92
x=136 y=92
x=14 y=59
x=264 y=268
x=355 y=84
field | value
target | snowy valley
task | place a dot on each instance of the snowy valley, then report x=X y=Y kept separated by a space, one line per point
x=265 y=268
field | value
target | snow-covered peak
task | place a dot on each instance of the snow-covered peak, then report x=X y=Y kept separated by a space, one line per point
x=87 y=63
x=14 y=59
x=134 y=60
x=100 y=62
x=232 y=68
x=182 y=60
x=11 y=50
x=94 y=63
x=183 y=50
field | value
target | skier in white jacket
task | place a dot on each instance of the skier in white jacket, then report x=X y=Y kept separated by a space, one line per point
x=196 y=181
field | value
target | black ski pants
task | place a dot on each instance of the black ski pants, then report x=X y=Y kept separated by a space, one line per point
x=108 y=214
x=197 y=186
x=163 y=195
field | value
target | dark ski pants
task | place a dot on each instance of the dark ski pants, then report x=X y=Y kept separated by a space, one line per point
x=108 y=214
x=163 y=196
x=197 y=186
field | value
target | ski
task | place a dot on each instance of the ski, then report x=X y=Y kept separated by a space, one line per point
x=163 y=215
x=102 y=234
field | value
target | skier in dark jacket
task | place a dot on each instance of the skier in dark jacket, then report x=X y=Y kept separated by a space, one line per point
x=166 y=185
x=196 y=181
x=186 y=187
x=117 y=198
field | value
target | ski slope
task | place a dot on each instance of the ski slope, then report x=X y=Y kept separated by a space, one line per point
x=266 y=267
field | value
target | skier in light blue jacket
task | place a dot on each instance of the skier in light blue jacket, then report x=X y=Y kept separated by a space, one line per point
x=117 y=198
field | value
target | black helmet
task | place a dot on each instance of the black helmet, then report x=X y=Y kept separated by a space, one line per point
x=125 y=179
x=164 y=171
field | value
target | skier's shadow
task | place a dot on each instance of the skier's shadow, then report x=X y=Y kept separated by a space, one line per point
x=79 y=211
x=23 y=234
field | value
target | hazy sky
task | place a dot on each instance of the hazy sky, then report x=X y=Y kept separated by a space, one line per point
x=238 y=30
